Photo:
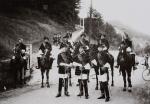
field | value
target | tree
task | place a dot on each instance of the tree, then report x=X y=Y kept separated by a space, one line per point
x=99 y=27
x=62 y=11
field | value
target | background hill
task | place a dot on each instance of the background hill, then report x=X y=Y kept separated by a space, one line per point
x=140 y=40
x=34 y=19
x=31 y=25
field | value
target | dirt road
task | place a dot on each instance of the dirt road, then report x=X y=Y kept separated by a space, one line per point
x=33 y=94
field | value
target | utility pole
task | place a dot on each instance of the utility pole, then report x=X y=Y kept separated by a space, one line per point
x=83 y=25
x=90 y=26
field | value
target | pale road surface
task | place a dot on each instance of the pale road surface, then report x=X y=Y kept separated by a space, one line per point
x=33 y=94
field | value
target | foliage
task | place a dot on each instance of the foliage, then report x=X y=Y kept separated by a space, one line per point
x=62 y=11
x=99 y=27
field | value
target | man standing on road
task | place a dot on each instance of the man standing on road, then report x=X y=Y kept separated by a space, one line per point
x=82 y=61
x=104 y=79
x=64 y=63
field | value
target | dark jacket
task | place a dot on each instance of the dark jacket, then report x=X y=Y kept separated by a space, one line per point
x=84 y=42
x=105 y=42
x=19 y=47
x=82 y=59
x=128 y=43
x=63 y=57
x=45 y=46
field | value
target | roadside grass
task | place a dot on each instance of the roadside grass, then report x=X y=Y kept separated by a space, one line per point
x=32 y=26
x=142 y=93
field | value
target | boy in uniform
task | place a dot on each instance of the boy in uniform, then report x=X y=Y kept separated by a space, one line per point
x=82 y=62
x=104 y=79
x=64 y=63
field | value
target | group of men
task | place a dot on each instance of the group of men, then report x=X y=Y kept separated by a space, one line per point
x=57 y=38
x=81 y=62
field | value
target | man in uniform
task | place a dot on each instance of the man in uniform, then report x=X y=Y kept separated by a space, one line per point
x=20 y=49
x=104 y=42
x=55 y=39
x=82 y=61
x=127 y=46
x=65 y=41
x=69 y=52
x=45 y=46
x=83 y=41
x=64 y=63
x=104 y=79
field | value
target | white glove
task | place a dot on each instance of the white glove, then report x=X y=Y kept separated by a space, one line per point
x=128 y=49
x=64 y=64
x=13 y=57
x=87 y=47
x=77 y=64
x=23 y=51
x=24 y=57
x=105 y=48
x=94 y=62
x=87 y=66
x=40 y=52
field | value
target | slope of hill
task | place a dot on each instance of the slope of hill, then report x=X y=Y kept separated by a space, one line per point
x=139 y=39
x=32 y=26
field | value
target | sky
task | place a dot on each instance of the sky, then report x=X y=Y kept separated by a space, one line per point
x=132 y=13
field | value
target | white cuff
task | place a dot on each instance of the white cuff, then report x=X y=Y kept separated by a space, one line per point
x=87 y=66
x=63 y=64
x=77 y=64
x=94 y=62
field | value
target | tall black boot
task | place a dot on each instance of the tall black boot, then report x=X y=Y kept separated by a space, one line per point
x=66 y=87
x=59 y=88
x=102 y=91
x=106 y=90
x=80 y=88
x=86 y=89
x=38 y=61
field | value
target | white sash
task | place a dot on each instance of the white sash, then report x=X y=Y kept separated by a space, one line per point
x=103 y=78
x=63 y=75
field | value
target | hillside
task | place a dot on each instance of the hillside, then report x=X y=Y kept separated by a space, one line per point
x=28 y=24
x=140 y=40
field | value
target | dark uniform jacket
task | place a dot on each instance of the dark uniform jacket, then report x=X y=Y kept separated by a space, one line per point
x=125 y=44
x=66 y=58
x=105 y=42
x=69 y=46
x=45 y=46
x=84 y=42
x=128 y=43
x=19 y=47
x=82 y=59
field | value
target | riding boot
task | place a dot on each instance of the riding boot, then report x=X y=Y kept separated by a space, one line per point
x=102 y=96
x=80 y=88
x=25 y=65
x=134 y=63
x=70 y=84
x=86 y=88
x=107 y=99
x=77 y=83
x=117 y=66
x=66 y=87
x=38 y=61
x=106 y=90
x=88 y=77
x=102 y=91
x=59 y=87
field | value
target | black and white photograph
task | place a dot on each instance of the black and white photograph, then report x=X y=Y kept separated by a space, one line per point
x=74 y=52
